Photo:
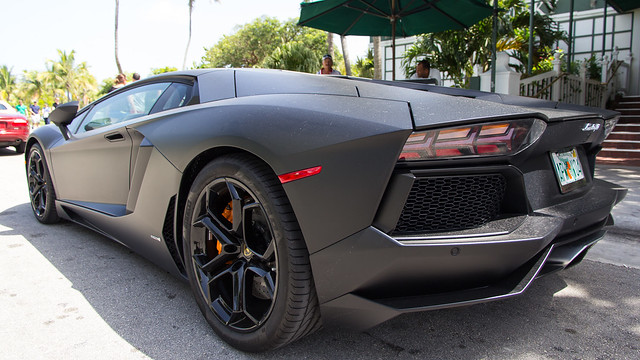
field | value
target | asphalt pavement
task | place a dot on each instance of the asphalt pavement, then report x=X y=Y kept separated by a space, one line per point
x=69 y=293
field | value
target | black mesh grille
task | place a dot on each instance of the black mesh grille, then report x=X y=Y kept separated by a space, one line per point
x=450 y=203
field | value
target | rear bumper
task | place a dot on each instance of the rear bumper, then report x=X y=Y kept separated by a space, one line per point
x=13 y=138
x=371 y=277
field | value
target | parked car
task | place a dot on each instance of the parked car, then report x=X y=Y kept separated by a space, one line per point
x=291 y=200
x=6 y=108
x=14 y=129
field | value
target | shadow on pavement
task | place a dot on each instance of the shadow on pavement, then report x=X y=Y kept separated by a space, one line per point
x=590 y=311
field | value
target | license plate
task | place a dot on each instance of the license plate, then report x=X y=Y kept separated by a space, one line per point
x=568 y=169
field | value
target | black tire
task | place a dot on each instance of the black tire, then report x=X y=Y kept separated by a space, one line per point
x=41 y=190
x=21 y=147
x=251 y=278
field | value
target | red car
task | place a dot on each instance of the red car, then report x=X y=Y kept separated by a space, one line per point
x=14 y=130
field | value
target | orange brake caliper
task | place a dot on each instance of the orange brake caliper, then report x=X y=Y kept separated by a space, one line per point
x=227 y=214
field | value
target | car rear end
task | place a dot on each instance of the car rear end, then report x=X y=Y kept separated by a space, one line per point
x=476 y=209
x=14 y=130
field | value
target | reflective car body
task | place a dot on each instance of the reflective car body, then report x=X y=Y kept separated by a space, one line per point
x=422 y=197
x=14 y=130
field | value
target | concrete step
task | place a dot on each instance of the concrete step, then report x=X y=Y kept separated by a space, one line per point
x=628 y=111
x=630 y=98
x=621 y=144
x=627 y=127
x=617 y=161
x=624 y=135
x=629 y=119
x=628 y=105
x=620 y=153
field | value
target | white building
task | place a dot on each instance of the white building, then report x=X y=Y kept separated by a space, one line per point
x=621 y=31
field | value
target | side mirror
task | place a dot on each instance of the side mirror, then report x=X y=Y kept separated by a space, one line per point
x=64 y=114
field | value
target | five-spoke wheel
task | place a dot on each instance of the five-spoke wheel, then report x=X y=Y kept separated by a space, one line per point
x=234 y=254
x=41 y=190
x=240 y=242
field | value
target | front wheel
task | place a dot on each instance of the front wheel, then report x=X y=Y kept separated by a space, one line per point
x=41 y=192
x=246 y=260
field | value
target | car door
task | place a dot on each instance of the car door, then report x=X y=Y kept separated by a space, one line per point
x=92 y=167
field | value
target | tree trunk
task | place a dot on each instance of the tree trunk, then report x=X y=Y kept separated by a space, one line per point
x=116 y=37
x=345 y=54
x=377 y=58
x=330 y=43
x=184 y=62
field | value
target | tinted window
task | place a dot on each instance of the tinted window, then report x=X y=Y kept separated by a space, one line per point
x=122 y=107
x=2 y=107
x=177 y=95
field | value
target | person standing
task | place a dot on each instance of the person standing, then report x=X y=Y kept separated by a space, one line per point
x=327 y=66
x=46 y=111
x=34 y=112
x=21 y=108
x=121 y=80
x=423 y=68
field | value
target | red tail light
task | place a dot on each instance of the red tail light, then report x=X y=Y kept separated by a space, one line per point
x=493 y=139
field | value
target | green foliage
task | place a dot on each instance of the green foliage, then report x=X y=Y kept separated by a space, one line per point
x=252 y=43
x=166 y=69
x=7 y=83
x=63 y=81
x=364 y=67
x=456 y=52
x=545 y=63
x=74 y=80
x=292 y=56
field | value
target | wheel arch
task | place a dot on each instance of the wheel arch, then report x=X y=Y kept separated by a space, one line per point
x=189 y=175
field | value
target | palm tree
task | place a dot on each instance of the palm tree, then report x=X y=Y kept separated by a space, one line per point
x=74 y=80
x=345 y=54
x=116 y=37
x=330 y=43
x=7 y=83
x=34 y=86
x=184 y=62
x=377 y=58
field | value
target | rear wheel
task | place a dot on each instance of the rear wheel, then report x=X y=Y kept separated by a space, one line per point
x=41 y=190
x=247 y=262
x=21 y=147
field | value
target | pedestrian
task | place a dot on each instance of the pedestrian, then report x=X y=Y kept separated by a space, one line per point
x=135 y=76
x=34 y=114
x=46 y=111
x=121 y=80
x=327 y=66
x=21 y=108
x=423 y=68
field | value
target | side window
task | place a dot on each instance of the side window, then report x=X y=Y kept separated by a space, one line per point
x=122 y=107
x=177 y=95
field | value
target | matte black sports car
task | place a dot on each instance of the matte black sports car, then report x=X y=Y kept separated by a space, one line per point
x=292 y=200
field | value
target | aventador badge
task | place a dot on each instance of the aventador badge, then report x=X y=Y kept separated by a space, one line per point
x=591 y=127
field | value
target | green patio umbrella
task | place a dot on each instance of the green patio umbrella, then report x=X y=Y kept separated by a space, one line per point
x=392 y=17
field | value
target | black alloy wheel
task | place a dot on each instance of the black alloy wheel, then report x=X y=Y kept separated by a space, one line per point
x=239 y=237
x=41 y=192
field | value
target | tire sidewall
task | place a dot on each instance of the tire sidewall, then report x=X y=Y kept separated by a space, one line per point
x=266 y=335
x=50 y=215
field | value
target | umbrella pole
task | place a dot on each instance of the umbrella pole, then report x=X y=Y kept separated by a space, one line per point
x=393 y=49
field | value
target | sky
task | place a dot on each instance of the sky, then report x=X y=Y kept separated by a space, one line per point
x=151 y=33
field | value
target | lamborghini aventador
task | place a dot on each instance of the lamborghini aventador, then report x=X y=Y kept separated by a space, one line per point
x=291 y=201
